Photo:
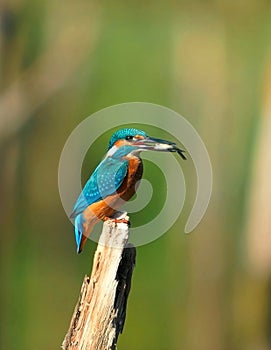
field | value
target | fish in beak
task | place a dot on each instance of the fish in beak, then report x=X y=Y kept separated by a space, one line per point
x=153 y=144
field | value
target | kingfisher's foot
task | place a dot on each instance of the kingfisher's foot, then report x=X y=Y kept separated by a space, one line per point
x=118 y=221
x=122 y=221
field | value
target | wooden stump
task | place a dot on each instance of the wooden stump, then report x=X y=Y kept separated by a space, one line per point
x=100 y=312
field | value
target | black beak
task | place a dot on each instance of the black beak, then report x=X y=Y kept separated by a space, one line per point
x=153 y=144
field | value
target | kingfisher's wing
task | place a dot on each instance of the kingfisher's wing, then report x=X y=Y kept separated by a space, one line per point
x=104 y=181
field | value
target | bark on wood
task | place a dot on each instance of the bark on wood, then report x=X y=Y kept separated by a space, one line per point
x=100 y=312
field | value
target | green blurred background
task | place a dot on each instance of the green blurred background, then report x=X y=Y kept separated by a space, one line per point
x=211 y=62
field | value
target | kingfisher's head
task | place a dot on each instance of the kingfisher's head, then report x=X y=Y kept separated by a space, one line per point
x=139 y=141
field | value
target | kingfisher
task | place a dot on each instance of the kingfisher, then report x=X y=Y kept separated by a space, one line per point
x=115 y=179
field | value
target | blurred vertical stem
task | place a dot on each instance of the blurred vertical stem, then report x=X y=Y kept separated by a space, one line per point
x=199 y=90
x=258 y=220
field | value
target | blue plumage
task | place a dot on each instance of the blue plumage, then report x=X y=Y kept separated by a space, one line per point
x=105 y=180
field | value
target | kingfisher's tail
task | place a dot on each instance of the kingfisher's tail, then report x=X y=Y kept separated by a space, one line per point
x=81 y=245
x=81 y=231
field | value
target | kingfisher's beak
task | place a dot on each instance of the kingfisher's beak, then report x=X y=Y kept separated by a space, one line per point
x=153 y=144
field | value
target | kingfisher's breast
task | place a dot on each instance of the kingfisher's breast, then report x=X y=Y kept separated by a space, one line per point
x=134 y=174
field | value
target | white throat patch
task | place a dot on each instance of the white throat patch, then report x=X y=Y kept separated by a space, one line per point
x=111 y=151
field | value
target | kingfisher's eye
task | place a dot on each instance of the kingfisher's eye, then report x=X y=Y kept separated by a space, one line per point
x=128 y=137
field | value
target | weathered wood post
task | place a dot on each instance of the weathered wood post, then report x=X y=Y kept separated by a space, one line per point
x=100 y=312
